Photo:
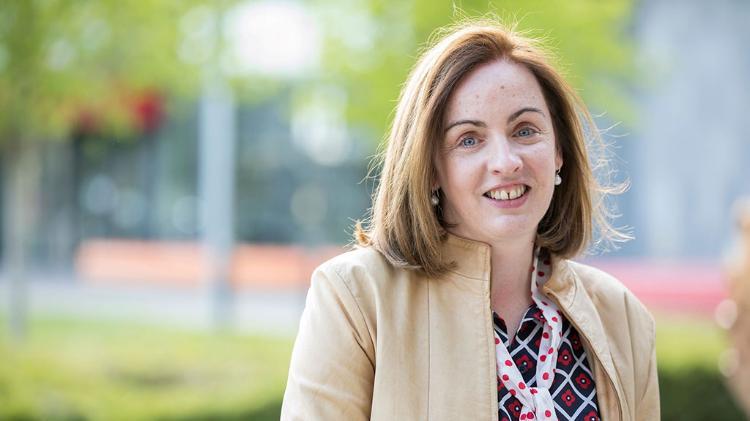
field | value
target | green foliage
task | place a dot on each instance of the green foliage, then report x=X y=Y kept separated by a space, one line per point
x=371 y=45
x=688 y=342
x=96 y=371
x=696 y=394
x=62 y=57
x=691 y=386
x=74 y=370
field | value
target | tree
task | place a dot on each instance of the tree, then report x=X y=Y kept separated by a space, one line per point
x=68 y=65
x=371 y=45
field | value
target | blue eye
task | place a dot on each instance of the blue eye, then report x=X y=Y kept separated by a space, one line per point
x=468 y=142
x=526 y=132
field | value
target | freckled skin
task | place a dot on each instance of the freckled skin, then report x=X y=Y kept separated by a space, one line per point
x=474 y=159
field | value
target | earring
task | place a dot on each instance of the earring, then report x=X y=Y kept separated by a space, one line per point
x=434 y=199
x=558 y=179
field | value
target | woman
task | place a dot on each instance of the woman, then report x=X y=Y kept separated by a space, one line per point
x=460 y=303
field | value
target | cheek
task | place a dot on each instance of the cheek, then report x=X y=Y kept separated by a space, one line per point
x=545 y=158
x=443 y=170
x=456 y=175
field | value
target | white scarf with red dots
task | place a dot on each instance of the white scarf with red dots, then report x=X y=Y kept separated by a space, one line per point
x=537 y=401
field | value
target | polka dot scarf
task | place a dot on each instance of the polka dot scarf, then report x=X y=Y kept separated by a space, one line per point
x=537 y=401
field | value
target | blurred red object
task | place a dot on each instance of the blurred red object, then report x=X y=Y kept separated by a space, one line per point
x=678 y=286
x=87 y=122
x=143 y=111
x=184 y=265
x=148 y=111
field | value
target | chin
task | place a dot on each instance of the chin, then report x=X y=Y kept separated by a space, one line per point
x=498 y=228
x=511 y=230
x=508 y=234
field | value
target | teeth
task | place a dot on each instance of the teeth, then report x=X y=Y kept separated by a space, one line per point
x=516 y=193
x=507 y=194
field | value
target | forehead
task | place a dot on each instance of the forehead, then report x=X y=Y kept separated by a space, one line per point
x=497 y=88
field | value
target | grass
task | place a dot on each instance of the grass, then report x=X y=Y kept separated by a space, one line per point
x=104 y=370
x=688 y=341
x=692 y=388
x=96 y=370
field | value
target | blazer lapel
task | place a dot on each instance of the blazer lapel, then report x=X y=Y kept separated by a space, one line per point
x=578 y=308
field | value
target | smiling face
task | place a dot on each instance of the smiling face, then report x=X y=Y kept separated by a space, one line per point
x=497 y=158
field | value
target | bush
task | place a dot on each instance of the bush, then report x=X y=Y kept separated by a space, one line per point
x=696 y=393
x=117 y=371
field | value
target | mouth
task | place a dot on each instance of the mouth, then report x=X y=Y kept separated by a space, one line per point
x=507 y=194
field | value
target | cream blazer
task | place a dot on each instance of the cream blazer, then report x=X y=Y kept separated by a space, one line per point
x=382 y=343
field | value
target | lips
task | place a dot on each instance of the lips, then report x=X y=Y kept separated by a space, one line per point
x=508 y=193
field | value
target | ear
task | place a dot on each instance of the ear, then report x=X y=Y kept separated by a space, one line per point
x=558 y=159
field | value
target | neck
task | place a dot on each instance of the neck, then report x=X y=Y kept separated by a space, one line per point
x=511 y=275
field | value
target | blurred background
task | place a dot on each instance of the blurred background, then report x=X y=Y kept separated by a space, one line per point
x=172 y=171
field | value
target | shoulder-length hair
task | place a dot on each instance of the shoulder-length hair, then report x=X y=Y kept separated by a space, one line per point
x=404 y=226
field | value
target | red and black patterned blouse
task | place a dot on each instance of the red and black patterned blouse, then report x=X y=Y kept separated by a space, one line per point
x=573 y=389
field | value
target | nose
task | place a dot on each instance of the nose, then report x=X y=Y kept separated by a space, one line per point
x=504 y=158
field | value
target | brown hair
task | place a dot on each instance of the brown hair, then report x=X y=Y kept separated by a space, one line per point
x=404 y=226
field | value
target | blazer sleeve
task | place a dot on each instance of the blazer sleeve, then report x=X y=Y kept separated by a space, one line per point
x=333 y=362
x=649 y=405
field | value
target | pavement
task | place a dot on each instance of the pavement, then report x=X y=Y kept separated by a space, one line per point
x=261 y=312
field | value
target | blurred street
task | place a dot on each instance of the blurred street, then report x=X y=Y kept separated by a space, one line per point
x=694 y=288
x=258 y=312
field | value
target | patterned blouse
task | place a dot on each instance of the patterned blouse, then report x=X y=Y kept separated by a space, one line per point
x=573 y=389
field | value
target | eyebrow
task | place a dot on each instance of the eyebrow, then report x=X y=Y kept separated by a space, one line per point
x=477 y=123
x=480 y=123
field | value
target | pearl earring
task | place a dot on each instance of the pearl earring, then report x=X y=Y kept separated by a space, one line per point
x=434 y=199
x=558 y=179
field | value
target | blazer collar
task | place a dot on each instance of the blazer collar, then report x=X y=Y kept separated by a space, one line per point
x=471 y=259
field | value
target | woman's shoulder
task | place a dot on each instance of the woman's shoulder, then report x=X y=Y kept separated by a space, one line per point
x=607 y=291
x=359 y=261
x=596 y=279
x=365 y=271
x=365 y=279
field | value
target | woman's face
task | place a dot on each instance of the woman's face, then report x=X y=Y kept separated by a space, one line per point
x=497 y=158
